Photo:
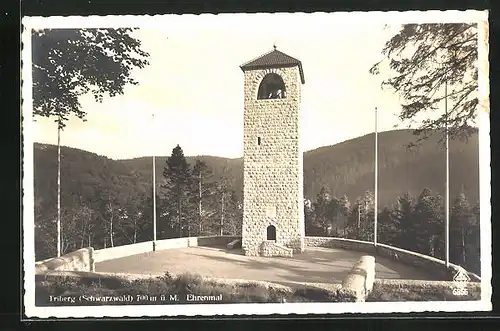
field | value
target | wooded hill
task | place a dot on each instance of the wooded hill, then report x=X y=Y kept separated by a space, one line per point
x=108 y=202
x=347 y=168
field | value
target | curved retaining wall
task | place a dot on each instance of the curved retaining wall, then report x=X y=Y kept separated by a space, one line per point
x=85 y=258
x=435 y=266
x=147 y=246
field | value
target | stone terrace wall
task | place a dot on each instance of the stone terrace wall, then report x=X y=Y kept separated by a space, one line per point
x=122 y=251
x=80 y=260
x=433 y=265
x=144 y=247
x=84 y=259
x=216 y=240
x=347 y=244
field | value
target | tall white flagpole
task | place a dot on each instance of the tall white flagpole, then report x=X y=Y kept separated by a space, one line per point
x=447 y=199
x=58 y=190
x=154 y=189
x=376 y=182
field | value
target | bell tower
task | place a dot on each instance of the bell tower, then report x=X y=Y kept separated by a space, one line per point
x=273 y=210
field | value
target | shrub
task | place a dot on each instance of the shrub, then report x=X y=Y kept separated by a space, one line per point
x=181 y=285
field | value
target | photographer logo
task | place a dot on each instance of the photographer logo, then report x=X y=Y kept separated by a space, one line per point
x=460 y=280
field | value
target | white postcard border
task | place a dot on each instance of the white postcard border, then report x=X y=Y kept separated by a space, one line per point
x=254 y=309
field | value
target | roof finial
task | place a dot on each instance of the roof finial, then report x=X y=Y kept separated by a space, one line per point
x=274 y=45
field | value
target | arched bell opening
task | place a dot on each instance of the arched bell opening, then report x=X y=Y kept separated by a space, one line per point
x=271 y=87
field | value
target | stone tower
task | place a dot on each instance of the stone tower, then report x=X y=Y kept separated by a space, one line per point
x=273 y=211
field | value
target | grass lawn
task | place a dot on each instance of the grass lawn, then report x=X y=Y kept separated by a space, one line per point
x=72 y=290
x=398 y=290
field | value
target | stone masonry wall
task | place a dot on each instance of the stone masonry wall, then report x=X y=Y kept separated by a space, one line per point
x=436 y=267
x=147 y=246
x=273 y=170
x=270 y=248
x=80 y=260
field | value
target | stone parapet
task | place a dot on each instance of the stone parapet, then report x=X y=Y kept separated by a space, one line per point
x=435 y=266
x=234 y=244
x=84 y=259
x=80 y=260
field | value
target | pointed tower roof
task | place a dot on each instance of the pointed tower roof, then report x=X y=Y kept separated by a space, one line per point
x=274 y=59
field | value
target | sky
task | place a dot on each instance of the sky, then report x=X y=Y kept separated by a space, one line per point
x=194 y=85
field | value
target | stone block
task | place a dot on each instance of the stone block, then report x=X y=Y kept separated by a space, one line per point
x=360 y=278
x=79 y=260
x=234 y=244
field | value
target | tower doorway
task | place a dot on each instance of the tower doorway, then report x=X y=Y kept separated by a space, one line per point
x=271 y=232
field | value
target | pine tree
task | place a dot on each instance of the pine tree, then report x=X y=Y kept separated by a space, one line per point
x=473 y=243
x=403 y=216
x=354 y=220
x=461 y=222
x=342 y=214
x=429 y=224
x=310 y=227
x=203 y=190
x=233 y=215
x=108 y=203
x=345 y=205
x=322 y=210
x=361 y=217
x=129 y=218
x=177 y=189
x=145 y=219
x=333 y=209
x=221 y=201
x=388 y=231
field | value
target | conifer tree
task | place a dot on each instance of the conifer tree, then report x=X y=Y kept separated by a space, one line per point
x=310 y=227
x=322 y=210
x=233 y=215
x=461 y=222
x=429 y=224
x=222 y=197
x=388 y=231
x=203 y=190
x=362 y=217
x=341 y=208
x=473 y=243
x=145 y=219
x=404 y=221
x=177 y=190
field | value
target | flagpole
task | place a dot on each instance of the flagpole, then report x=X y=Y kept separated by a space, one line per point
x=447 y=199
x=154 y=190
x=58 y=189
x=376 y=181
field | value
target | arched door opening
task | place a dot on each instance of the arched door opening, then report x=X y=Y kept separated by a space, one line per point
x=272 y=87
x=271 y=232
